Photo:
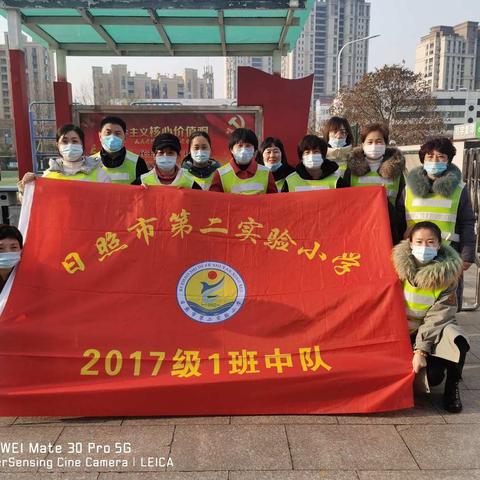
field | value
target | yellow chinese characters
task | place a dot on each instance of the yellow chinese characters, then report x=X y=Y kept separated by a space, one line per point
x=247 y=228
x=73 y=263
x=312 y=364
x=143 y=228
x=180 y=225
x=212 y=229
x=108 y=244
x=278 y=360
x=187 y=364
x=310 y=254
x=345 y=262
x=243 y=362
x=279 y=241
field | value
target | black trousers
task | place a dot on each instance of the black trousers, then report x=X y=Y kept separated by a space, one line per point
x=436 y=367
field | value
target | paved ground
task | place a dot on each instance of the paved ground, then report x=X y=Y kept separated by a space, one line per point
x=424 y=443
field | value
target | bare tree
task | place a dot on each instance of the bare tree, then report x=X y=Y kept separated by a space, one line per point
x=397 y=97
x=84 y=94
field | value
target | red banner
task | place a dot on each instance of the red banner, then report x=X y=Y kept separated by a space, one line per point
x=144 y=125
x=158 y=301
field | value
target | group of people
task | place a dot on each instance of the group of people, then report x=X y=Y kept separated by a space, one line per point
x=431 y=217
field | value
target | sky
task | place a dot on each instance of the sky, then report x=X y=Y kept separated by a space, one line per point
x=400 y=23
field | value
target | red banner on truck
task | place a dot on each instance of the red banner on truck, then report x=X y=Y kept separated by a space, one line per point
x=144 y=123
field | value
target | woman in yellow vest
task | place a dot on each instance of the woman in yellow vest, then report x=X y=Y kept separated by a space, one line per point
x=435 y=192
x=198 y=162
x=72 y=164
x=166 y=173
x=429 y=271
x=373 y=164
x=272 y=155
x=338 y=133
x=242 y=174
x=314 y=172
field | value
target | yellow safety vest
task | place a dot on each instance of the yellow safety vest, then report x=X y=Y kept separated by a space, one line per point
x=374 y=179
x=280 y=183
x=297 y=184
x=248 y=186
x=442 y=211
x=417 y=303
x=182 y=180
x=204 y=182
x=85 y=177
x=126 y=172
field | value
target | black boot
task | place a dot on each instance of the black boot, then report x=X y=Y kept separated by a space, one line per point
x=451 y=396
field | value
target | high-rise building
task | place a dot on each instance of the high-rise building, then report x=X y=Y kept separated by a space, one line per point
x=231 y=67
x=120 y=86
x=449 y=57
x=331 y=24
x=39 y=63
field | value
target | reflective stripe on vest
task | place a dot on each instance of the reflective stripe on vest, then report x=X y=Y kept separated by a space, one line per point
x=182 y=179
x=248 y=186
x=373 y=179
x=437 y=209
x=280 y=183
x=83 y=177
x=205 y=182
x=417 y=303
x=297 y=184
x=126 y=172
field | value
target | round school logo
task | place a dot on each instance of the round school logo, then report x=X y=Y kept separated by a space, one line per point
x=210 y=292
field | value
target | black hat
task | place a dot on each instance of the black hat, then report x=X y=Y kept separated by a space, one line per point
x=166 y=140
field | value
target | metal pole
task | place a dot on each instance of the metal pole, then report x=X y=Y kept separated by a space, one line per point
x=340 y=53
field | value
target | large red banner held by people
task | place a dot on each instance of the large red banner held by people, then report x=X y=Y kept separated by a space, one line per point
x=160 y=301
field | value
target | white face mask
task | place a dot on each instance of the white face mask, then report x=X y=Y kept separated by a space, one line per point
x=200 y=156
x=313 y=160
x=166 y=162
x=9 y=259
x=374 y=151
x=243 y=155
x=71 y=152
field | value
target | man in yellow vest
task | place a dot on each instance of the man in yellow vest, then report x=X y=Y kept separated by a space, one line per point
x=242 y=174
x=121 y=165
x=166 y=148
x=435 y=192
x=314 y=172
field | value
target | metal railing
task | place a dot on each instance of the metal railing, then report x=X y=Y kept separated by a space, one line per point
x=42 y=136
x=471 y=177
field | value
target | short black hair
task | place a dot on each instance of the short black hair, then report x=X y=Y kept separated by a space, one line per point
x=242 y=135
x=115 y=121
x=335 y=124
x=199 y=133
x=70 y=127
x=427 y=226
x=9 y=231
x=311 y=142
x=271 y=142
x=440 y=144
x=375 y=127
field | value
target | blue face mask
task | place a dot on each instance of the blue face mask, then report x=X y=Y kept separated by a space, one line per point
x=200 y=156
x=9 y=259
x=112 y=143
x=337 y=142
x=435 y=168
x=424 y=254
x=273 y=167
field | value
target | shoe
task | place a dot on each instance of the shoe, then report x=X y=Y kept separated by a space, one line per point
x=451 y=397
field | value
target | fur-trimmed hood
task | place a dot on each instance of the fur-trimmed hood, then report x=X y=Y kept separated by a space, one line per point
x=443 y=185
x=442 y=272
x=393 y=163
x=86 y=165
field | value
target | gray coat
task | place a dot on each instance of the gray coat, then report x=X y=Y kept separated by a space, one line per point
x=436 y=335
